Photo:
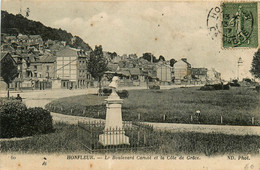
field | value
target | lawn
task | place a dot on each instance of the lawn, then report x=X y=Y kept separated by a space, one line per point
x=65 y=140
x=236 y=106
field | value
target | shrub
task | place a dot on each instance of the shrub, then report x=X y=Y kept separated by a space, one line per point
x=154 y=87
x=234 y=83
x=11 y=112
x=18 y=121
x=38 y=121
x=106 y=91
x=123 y=94
x=207 y=88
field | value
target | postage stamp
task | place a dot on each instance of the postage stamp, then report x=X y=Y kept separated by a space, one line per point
x=240 y=28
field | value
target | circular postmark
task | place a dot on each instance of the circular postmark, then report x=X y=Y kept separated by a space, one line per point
x=214 y=22
x=237 y=26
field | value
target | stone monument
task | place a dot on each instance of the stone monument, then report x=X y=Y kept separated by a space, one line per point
x=114 y=133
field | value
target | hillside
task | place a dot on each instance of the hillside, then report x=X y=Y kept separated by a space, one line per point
x=15 y=24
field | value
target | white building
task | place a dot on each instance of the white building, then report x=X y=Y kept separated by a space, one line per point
x=164 y=73
x=67 y=67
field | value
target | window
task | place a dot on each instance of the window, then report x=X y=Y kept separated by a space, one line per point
x=35 y=74
x=79 y=73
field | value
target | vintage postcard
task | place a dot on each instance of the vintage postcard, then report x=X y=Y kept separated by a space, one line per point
x=130 y=85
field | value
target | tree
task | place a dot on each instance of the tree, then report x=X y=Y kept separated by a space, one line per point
x=161 y=58
x=97 y=64
x=112 y=55
x=255 y=66
x=149 y=56
x=9 y=71
x=172 y=62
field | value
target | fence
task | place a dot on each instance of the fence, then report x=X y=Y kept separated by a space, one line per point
x=141 y=137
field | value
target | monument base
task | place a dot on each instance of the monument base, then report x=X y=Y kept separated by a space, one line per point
x=113 y=139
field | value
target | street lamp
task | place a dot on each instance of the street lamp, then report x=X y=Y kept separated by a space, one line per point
x=239 y=63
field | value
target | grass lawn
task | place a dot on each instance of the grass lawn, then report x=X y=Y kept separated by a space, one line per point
x=65 y=140
x=237 y=106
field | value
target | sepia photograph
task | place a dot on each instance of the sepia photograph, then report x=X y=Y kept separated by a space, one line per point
x=130 y=84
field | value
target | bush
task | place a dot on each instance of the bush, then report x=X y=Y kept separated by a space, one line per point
x=123 y=94
x=11 y=112
x=215 y=87
x=38 y=121
x=18 y=121
x=207 y=88
x=154 y=87
x=106 y=91
x=234 y=83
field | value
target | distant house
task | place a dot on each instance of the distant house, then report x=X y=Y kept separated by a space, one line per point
x=48 y=66
x=137 y=76
x=164 y=73
x=7 y=48
x=23 y=81
x=10 y=39
x=213 y=76
x=199 y=75
x=35 y=43
x=116 y=59
x=83 y=76
x=43 y=70
x=182 y=69
x=25 y=43
x=72 y=68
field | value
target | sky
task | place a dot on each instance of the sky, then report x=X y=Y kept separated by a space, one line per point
x=172 y=29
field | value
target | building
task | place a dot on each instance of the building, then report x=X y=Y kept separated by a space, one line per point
x=213 y=77
x=164 y=73
x=43 y=70
x=182 y=69
x=48 y=66
x=199 y=75
x=25 y=43
x=72 y=68
x=83 y=76
x=21 y=66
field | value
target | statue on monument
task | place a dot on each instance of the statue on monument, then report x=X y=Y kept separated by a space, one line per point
x=114 y=85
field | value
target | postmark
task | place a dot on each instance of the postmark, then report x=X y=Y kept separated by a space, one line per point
x=214 y=22
x=239 y=23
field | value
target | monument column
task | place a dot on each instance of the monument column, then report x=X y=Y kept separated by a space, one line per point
x=114 y=133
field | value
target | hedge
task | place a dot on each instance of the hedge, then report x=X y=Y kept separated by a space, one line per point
x=18 y=121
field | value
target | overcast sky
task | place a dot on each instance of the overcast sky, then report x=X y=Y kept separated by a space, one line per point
x=172 y=29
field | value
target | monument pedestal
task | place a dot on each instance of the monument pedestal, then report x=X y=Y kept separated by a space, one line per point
x=114 y=133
